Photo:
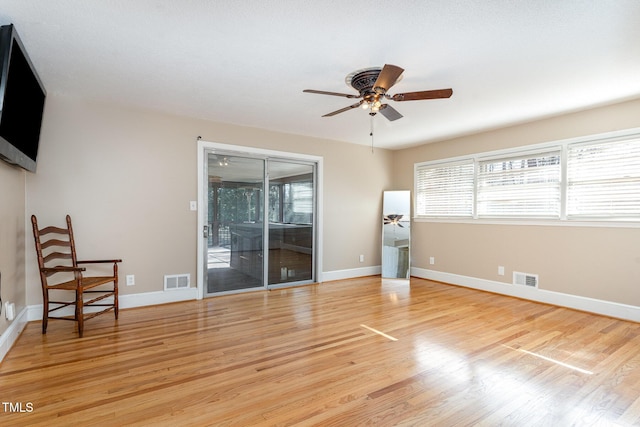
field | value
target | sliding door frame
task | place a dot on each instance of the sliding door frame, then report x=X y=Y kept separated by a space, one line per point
x=206 y=147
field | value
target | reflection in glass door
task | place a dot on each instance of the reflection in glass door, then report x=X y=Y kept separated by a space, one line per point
x=235 y=212
x=255 y=241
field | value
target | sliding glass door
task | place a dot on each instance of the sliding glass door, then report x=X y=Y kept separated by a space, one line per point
x=235 y=227
x=257 y=237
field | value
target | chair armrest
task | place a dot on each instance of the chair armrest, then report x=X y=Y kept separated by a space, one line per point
x=60 y=269
x=99 y=261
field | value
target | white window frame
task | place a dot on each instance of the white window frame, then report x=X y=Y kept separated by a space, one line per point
x=563 y=220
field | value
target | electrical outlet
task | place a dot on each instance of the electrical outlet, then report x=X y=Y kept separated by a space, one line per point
x=9 y=310
x=361 y=258
x=432 y=260
x=500 y=270
x=131 y=280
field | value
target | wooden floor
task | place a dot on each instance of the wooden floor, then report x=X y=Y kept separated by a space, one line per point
x=347 y=353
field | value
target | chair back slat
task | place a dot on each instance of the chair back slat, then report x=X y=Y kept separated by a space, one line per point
x=54 y=256
x=52 y=229
x=55 y=242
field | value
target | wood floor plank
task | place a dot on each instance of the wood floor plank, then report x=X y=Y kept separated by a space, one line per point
x=346 y=353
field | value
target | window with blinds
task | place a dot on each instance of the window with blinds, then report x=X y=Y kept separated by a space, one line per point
x=603 y=180
x=592 y=179
x=445 y=189
x=298 y=202
x=521 y=186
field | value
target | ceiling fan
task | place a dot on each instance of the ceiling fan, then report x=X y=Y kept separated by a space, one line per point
x=373 y=84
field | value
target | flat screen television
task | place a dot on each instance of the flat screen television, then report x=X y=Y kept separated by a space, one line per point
x=22 y=98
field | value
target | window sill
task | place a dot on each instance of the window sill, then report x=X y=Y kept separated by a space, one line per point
x=532 y=222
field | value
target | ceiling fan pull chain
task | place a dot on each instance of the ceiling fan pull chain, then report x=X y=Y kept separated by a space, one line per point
x=371 y=134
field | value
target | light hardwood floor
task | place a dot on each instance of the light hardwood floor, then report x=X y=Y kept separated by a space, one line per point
x=346 y=353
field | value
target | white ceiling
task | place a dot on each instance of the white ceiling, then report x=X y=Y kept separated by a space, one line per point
x=247 y=62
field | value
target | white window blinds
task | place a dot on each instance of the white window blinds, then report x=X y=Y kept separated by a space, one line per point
x=524 y=186
x=603 y=180
x=445 y=190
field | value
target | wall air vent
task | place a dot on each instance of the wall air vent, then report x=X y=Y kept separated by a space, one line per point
x=177 y=281
x=525 y=279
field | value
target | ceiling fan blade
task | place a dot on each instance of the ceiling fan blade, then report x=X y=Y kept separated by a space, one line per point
x=323 y=92
x=387 y=78
x=389 y=112
x=425 y=94
x=342 y=110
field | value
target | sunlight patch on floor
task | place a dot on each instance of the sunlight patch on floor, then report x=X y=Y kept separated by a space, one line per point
x=548 y=359
x=389 y=337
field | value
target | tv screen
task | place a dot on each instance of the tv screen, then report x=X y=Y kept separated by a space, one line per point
x=22 y=98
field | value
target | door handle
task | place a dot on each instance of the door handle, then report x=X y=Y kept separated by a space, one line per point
x=205 y=232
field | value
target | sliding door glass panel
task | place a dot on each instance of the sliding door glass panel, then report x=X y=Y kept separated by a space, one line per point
x=235 y=220
x=291 y=208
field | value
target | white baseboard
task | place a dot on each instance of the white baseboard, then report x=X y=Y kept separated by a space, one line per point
x=160 y=297
x=592 y=305
x=11 y=334
x=328 y=276
x=131 y=301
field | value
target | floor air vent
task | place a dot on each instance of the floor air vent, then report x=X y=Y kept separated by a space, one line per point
x=177 y=281
x=525 y=279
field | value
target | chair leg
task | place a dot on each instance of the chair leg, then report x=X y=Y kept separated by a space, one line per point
x=115 y=298
x=45 y=310
x=80 y=311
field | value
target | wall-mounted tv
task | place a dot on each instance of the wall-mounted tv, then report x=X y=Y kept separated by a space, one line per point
x=22 y=97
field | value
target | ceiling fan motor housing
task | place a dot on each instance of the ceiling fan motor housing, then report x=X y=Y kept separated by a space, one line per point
x=363 y=80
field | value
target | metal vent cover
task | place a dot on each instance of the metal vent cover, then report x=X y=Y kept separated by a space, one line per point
x=174 y=282
x=525 y=279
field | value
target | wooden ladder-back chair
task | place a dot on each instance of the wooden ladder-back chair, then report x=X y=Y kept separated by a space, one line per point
x=60 y=271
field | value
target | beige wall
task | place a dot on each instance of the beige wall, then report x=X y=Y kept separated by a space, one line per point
x=595 y=262
x=12 y=238
x=126 y=177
